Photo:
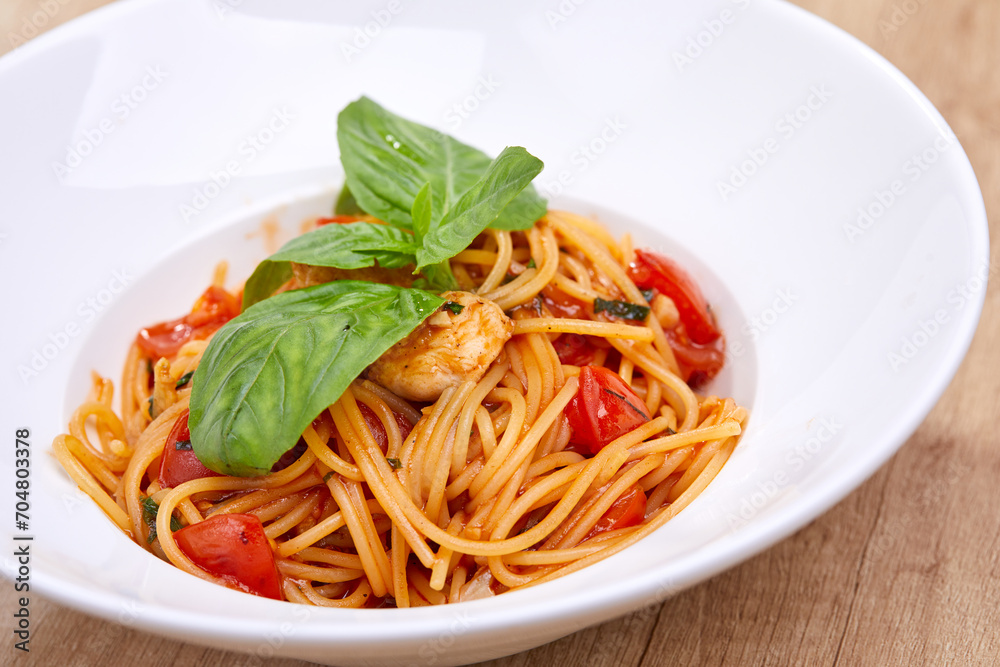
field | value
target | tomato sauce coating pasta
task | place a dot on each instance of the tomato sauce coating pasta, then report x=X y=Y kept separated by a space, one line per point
x=581 y=434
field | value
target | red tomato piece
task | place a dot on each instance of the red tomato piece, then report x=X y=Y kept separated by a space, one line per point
x=629 y=510
x=337 y=220
x=699 y=363
x=165 y=338
x=653 y=271
x=234 y=548
x=574 y=349
x=603 y=409
x=213 y=308
x=561 y=304
x=178 y=463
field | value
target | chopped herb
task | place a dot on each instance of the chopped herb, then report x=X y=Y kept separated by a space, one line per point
x=671 y=431
x=395 y=463
x=184 y=379
x=150 y=508
x=183 y=445
x=454 y=307
x=648 y=295
x=149 y=366
x=327 y=476
x=625 y=401
x=149 y=406
x=531 y=264
x=629 y=311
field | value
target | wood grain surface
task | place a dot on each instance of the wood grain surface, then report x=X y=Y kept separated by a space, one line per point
x=893 y=575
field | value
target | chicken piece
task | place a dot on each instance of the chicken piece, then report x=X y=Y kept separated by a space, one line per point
x=307 y=275
x=445 y=350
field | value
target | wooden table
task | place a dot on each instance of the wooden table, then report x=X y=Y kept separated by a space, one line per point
x=891 y=575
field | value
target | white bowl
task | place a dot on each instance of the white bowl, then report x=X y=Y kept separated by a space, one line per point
x=846 y=259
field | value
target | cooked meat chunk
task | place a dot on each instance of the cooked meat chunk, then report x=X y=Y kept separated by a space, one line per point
x=455 y=344
x=307 y=275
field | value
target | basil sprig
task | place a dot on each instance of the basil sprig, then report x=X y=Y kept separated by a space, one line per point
x=388 y=160
x=267 y=373
x=435 y=193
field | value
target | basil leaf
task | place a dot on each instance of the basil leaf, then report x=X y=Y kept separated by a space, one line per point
x=388 y=159
x=352 y=245
x=437 y=278
x=420 y=212
x=183 y=380
x=479 y=206
x=150 y=508
x=267 y=374
x=346 y=204
x=267 y=277
x=521 y=213
x=623 y=309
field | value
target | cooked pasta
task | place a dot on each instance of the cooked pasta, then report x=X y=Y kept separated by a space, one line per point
x=502 y=481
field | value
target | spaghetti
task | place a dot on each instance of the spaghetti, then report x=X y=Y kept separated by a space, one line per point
x=582 y=436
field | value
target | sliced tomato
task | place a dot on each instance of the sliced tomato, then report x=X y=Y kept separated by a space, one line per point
x=603 y=409
x=654 y=271
x=178 y=463
x=699 y=363
x=213 y=308
x=574 y=349
x=215 y=305
x=337 y=220
x=165 y=338
x=234 y=548
x=629 y=510
x=561 y=304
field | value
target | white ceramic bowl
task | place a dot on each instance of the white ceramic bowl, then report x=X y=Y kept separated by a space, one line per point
x=824 y=204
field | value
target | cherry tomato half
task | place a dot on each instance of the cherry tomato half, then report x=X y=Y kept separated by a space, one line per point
x=699 y=363
x=603 y=409
x=561 y=304
x=178 y=463
x=653 y=271
x=629 y=510
x=213 y=308
x=574 y=349
x=234 y=548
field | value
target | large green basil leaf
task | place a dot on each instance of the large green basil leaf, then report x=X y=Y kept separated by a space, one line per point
x=388 y=159
x=267 y=277
x=479 y=206
x=270 y=371
x=346 y=204
x=352 y=245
